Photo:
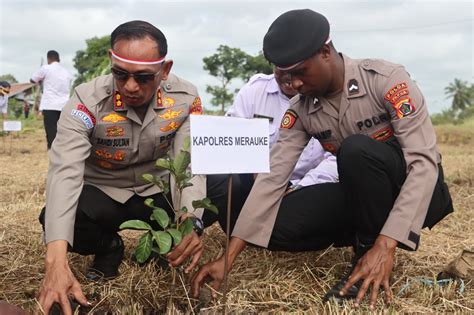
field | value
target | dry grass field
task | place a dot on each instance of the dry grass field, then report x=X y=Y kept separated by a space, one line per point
x=262 y=281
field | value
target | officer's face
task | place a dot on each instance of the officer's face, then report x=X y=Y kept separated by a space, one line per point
x=314 y=76
x=284 y=83
x=138 y=90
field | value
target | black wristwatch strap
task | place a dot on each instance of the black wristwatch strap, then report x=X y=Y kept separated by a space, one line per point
x=198 y=226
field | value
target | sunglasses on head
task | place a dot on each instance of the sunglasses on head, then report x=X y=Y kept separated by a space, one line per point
x=140 y=78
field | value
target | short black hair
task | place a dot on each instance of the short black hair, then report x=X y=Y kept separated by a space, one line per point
x=139 y=30
x=53 y=55
x=5 y=84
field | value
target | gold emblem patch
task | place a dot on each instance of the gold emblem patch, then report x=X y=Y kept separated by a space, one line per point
x=113 y=118
x=170 y=114
x=171 y=126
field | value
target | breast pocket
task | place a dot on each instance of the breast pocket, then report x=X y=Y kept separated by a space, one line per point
x=166 y=125
x=112 y=145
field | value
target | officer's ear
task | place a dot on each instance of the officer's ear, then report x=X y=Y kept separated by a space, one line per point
x=166 y=69
x=325 y=51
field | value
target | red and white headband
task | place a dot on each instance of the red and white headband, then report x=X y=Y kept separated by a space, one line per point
x=137 y=62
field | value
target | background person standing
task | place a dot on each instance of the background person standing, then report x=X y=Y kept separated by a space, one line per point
x=56 y=86
x=4 y=90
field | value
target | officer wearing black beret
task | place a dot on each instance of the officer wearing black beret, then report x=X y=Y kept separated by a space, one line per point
x=374 y=117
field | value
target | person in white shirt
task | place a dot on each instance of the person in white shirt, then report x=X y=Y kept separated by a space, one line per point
x=315 y=174
x=4 y=90
x=56 y=87
x=268 y=96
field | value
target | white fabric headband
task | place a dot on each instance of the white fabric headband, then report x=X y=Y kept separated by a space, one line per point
x=135 y=61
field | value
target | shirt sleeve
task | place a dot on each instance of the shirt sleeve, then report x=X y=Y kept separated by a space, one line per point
x=324 y=172
x=4 y=106
x=39 y=75
x=242 y=106
x=257 y=217
x=67 y=156
x=416 y=136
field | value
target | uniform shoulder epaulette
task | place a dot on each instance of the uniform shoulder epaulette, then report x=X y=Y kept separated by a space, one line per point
x=260 y=76
x=93 y=92
x=380 y=66
x=175 y=84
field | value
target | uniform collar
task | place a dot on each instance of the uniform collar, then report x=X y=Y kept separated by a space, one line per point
x=272 y=86
x=353 y=88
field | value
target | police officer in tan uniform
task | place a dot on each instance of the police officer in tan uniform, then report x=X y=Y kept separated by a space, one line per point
x=111 y=132
x=374 y=117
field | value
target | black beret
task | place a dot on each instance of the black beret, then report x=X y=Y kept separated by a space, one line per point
x=295 y=36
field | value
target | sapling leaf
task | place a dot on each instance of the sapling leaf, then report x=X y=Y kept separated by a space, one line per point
x=185 y=184
x=176 y=235
x=181 y=162
x=187 y=144
x=135 y=225
x=206 y=204
x=149 y=203
x=163 y=163
x=163 y=240
x=143 y=250
x=148 y=178
x=161 y=216
x=163 y=185
x=186 y=226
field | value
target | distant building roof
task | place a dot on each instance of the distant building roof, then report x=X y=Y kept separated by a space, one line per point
x=17 y=88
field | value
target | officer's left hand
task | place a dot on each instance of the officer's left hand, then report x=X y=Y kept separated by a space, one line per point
x=191 y=245
x=375 y=268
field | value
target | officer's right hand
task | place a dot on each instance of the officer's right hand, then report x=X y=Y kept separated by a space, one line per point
x=59 y=283
x=212 y=271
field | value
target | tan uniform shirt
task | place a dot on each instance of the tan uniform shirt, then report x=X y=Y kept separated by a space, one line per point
x=102 y=142
x=379 y=100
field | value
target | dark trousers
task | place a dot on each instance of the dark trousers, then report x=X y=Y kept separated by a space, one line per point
x=355 y=209
x=310 y=218
x=372 y=174
x=51 y=118
x=98 y=217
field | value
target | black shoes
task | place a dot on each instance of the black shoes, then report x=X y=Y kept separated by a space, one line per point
x=107 y=260
x=333 y=293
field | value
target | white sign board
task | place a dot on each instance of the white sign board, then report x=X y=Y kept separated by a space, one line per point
x=11 y=125
x=229 y=145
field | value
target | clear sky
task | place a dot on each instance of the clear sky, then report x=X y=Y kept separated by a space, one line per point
x=433 y=39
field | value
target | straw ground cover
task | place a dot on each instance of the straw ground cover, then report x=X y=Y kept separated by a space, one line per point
x=261 y=281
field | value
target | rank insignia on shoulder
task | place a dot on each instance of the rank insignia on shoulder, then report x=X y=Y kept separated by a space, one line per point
x=115 y=131
x=118 y=103
x=196 y=107
x=113 y=118
x=289 y=119
x=404 y=108
x=159 y=100
x=170 y=114
x=85 y=115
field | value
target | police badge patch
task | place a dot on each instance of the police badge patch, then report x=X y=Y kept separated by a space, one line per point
x=85 y=115
x=196 y=107
x=289 y=119
x=404 y=108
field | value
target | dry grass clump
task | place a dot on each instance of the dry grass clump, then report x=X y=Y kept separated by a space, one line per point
x=261 y=281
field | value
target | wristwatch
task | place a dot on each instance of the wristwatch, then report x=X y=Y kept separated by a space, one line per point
x=198 y=225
